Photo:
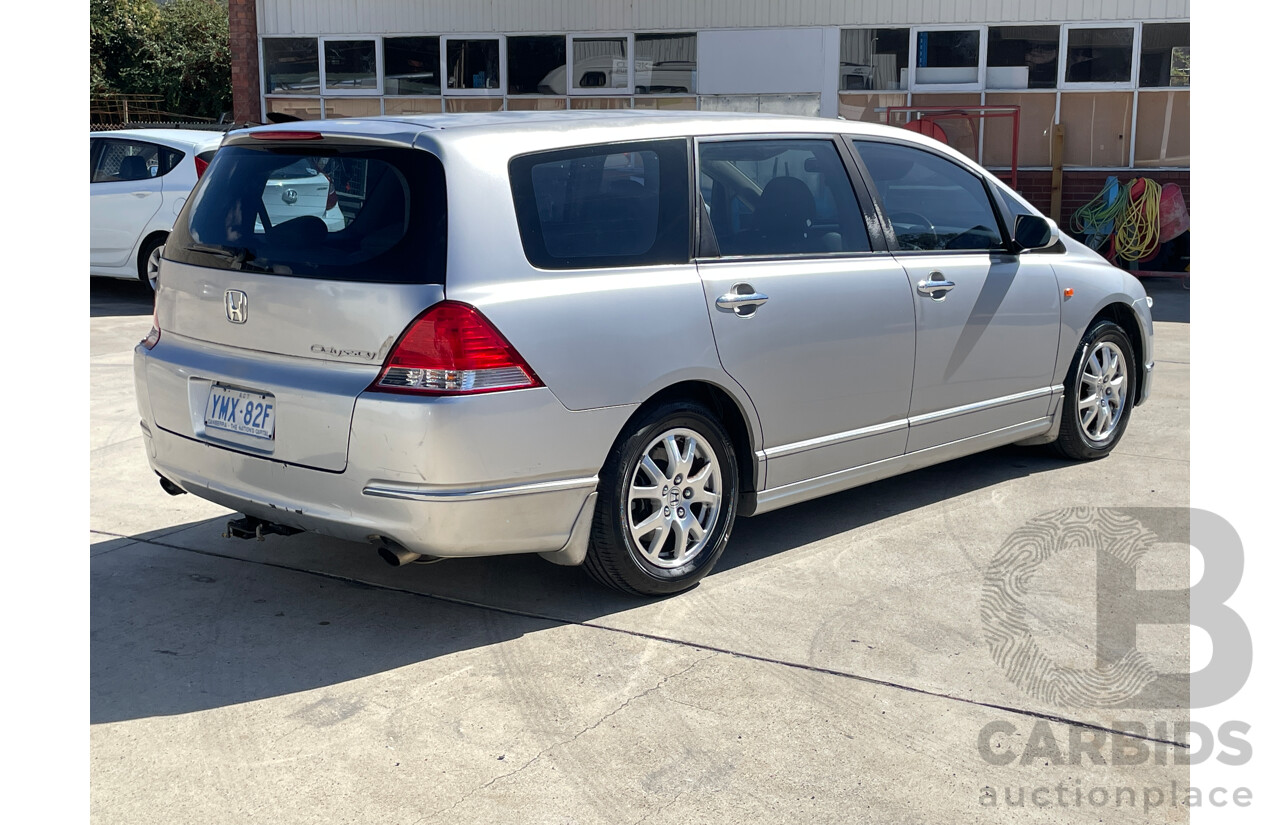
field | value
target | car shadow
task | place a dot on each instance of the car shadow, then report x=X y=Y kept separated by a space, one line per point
x=184 y=621
x=111 y=297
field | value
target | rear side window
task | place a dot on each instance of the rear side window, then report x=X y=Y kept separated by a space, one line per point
x=601 y=206
x=345 y=213
x=124 y=160
x=780 y=197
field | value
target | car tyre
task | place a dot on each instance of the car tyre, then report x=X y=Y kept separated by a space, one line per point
x=149 y=259
x=1099 y=394
x=668 y=500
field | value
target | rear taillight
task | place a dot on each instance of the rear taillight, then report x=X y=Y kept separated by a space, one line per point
x=451 y=349
x=201 y=165
x=332 y=200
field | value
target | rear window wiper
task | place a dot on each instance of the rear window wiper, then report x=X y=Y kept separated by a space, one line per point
x=239 y=257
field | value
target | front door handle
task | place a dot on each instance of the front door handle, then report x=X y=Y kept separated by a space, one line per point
x=935 y=287
x=742 y=299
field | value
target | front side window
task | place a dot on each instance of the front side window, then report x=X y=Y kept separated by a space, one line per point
x=780 y=197
x=596 y=206
x=291 y=65
x=932 y=204
x=1099 y=55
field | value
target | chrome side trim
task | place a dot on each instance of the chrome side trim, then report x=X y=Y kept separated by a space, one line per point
x=913 y=421
x=430 y=492
x=941 y=415
x=844 y=479
x=830 y=440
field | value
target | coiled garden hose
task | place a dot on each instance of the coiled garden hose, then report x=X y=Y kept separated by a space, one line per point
x=1096 y=216
x=1137 y=234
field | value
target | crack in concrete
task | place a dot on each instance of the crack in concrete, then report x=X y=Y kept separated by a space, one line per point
x=637 y=634
x=660 y=808
x=568 y=741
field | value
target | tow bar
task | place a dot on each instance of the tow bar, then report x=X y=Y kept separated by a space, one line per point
x=251 y=527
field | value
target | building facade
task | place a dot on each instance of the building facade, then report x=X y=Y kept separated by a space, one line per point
x=1114 y=74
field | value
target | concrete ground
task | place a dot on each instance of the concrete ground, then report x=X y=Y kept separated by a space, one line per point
x=833 y=669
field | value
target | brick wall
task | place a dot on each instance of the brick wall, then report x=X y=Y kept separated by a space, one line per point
x=246 y=99
x=1078 y=188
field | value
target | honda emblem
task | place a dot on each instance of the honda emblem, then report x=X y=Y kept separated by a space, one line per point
x=237 y=306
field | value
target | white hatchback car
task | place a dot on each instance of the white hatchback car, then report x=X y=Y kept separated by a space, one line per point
x=138 y=181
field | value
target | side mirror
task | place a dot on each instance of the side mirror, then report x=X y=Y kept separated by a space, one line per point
x=1034 y=232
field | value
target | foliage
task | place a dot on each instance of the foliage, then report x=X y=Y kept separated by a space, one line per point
x=179 y=50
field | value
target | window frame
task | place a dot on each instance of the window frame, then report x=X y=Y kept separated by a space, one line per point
x=862 y=197
x=913 y=58
x=633 y=57
x=1138 y=36
x=1135 y=54
x=382 y=67
x=506 y=65
x=1059 y=58
x=902 y=90
x=998 y=208
x=262 y=69
x=571 y=87
x=498 y=91
x=325 y=91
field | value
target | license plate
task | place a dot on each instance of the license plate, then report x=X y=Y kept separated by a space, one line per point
x=238 y=411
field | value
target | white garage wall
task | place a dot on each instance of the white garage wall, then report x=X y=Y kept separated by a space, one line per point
x=443 y=16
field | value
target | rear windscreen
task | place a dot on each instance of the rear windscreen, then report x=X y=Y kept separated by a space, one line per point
x=343 y=213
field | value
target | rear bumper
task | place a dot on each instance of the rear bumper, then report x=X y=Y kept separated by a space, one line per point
x=491 y=474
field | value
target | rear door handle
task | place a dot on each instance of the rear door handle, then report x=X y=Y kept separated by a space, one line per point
x=742 y=299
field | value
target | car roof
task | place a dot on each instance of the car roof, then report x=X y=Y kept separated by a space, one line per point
x=541 y=129
x=500 y=135
x=180 y=137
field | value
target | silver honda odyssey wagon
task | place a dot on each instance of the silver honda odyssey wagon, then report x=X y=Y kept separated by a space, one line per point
x=603 y=337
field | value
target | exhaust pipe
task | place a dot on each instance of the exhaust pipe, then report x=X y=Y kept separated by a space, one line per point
x=394 y=554
x=171 y=488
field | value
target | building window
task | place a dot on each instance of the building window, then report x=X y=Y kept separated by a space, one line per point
x=473 y=64
x=666 y=64
x=601 y=65
x=947 y=57
x=873 y=59
x=1166 y=55
x=535 y=65
x=350 y=66
x=1022 y=57
x=290 y=65
x=412 y=65
x=1099 y=55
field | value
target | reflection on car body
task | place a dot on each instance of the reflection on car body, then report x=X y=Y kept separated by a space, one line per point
x=608 y=339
